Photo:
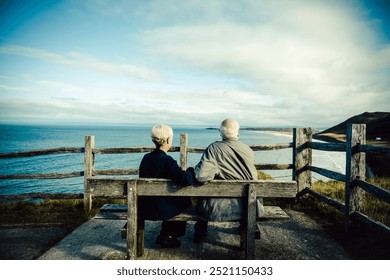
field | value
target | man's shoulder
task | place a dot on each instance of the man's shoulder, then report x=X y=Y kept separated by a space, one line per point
x=240 y=147
x=235 y=143
x=217 y=145
x=227 y=144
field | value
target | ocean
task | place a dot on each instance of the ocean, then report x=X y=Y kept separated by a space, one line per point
x=17 y=138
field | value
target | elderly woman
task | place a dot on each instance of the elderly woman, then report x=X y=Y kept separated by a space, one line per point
x=158 y=164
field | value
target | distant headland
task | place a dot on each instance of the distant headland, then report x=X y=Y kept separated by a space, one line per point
x=278 y=130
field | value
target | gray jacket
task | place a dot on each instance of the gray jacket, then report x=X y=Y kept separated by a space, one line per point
x=225 y=160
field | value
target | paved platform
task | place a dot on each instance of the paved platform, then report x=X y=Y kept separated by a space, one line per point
x=23 y=242
x=297 y=238
x=97 y=239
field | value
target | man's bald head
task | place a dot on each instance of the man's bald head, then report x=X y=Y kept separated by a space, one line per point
x=229 y=129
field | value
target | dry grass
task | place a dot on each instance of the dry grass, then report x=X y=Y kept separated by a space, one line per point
x=67 y=212
x=374 y=208
x=263 y=176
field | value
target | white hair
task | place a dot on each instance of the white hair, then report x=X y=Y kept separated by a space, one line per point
x=161 y=133
x=229 y=129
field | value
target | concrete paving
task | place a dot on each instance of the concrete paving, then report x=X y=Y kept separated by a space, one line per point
x=298 y=238
x=94 y=240
x=28 y=243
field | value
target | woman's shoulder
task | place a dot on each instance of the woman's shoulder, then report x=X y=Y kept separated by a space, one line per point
x=160 y=155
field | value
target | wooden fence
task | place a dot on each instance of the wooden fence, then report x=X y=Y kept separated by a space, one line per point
x=356 y=185
x=355 y=149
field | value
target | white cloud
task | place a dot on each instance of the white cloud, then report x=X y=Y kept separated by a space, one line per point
x=264 y=62
x=314 y=57
x=63 y=87
x=79 y=60
x=8 y=89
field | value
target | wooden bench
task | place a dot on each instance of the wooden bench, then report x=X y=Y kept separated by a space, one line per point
x=119 y=212
x=134 y=187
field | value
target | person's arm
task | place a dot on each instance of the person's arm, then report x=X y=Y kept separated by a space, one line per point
x=179 y=176
x=206 y=169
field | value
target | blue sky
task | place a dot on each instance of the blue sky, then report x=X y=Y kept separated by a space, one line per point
x=265 y=63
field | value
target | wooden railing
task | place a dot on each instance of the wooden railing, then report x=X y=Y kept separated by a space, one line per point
x=54 y=151
x=302 y=168
x=354 y=177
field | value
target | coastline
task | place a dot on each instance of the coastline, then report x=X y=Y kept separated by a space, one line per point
x=271 y=130
x=275 y=132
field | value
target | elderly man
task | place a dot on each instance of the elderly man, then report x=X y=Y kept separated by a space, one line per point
x=228 y=159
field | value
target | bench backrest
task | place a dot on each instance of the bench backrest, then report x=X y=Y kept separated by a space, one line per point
x=117 y=187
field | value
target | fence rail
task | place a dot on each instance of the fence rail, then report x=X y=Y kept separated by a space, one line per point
x=302 y=146
x=374 y=190
x=43 y=176
x=327 y=173
x=54 y=151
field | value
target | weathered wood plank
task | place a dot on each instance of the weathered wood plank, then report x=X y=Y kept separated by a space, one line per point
x=140 y=237
x=262 y=166
x=183 y=150
x=89 y=163
x=273 y=213
x=328 y=173
x=383 y=150
x=270 y=147
x=119 y=211
x=43 y=176
x=334 y=147
x=216 y=188
x=129 y=150
x=195 y=150
x=114 y=208
x=302 y=157
x=126 y=150
x=115 y=172
x=334 y=203
x=188 y=214
x=250 y=223
x=253 y=147
x=111 y=216
x=107 y=186
x=355 y=169
x=369 y=223
x=132 y=220
x=62 y=150
x=376 y=191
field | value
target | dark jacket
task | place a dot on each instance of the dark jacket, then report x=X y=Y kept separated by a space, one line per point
x=158 y=164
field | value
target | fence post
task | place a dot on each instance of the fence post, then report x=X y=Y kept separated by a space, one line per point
x=251 y=224
x=302 y=157
x=355 y=169
x=183 y=150
x=88 y=170
x=132 y=221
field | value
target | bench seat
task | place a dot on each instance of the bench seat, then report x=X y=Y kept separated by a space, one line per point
x=119 y=211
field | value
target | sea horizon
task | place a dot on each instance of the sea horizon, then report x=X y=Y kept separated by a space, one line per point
x=17 y=138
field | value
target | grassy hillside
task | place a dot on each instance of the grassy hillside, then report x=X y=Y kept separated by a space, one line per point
x=377 y=125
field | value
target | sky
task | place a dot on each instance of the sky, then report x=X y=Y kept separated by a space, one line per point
x=301 y=63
